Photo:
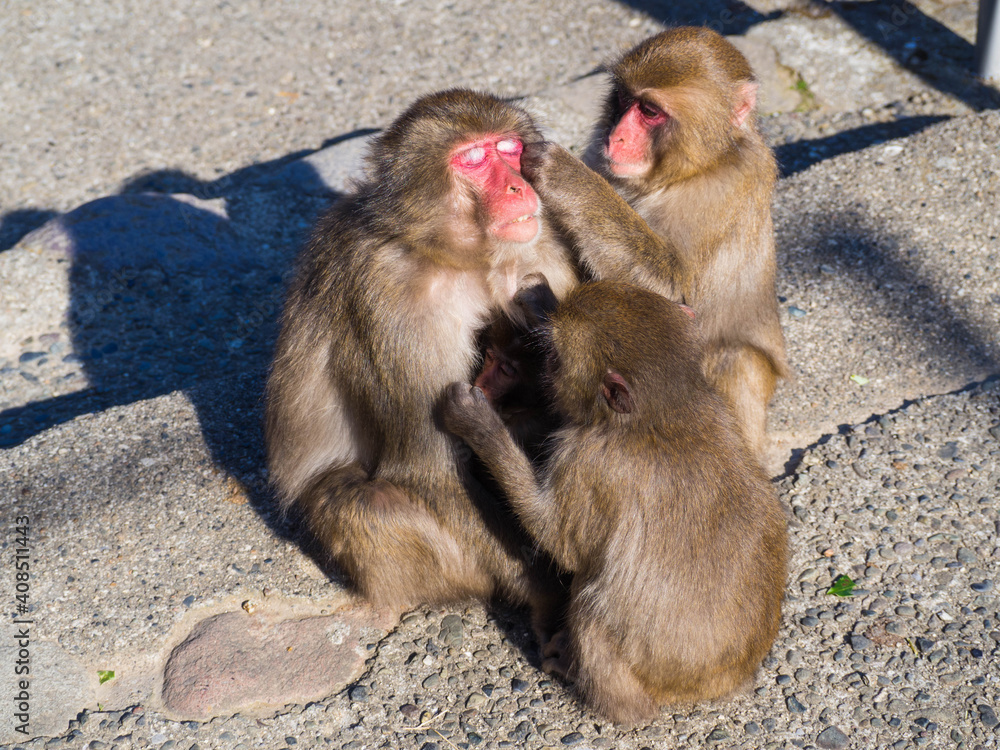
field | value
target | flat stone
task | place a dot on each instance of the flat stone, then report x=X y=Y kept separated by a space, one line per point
x=452 y=631
x=860 y=642
x=235 y=661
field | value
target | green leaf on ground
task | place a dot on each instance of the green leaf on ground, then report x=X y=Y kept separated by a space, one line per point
x=843 y=586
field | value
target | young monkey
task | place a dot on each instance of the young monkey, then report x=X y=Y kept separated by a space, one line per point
x=512 y=371
x=651 y=499
x=678 y=141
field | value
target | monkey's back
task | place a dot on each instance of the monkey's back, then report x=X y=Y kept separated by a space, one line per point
x=690 y=542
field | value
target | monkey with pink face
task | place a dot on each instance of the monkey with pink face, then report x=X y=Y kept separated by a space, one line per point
x=390 y=294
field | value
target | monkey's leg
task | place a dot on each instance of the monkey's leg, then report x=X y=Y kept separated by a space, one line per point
x=605 y=680
x=395 y=551
x=746 y=378
x=612 y=239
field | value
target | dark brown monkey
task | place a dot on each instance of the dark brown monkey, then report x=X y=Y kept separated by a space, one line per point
x=651 y=499
x=512 y=370
x=383 y=313
x=678 y=141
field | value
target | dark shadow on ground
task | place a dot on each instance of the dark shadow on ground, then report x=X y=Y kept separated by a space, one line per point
x=17 y=224
x=920 y=44
x=179 y=291
x=917 y=42
x=723 y=16
x=798 y=156
x=846 y=241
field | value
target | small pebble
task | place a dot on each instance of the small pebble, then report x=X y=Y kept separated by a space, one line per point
x=358 y=694
x=794 y=705
x=719 y=734
x=860 y=642
x=431 y=680
x=521 y=731
x=475 y=700
x=950 y=450
x=517 y=685
x=831 y=738
x=987 y=716
x=573 y=738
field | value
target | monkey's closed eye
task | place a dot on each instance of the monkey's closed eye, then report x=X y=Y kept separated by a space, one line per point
x=473 y=157
x=509 y=146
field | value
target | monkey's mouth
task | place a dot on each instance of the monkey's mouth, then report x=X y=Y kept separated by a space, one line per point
x=522 y=229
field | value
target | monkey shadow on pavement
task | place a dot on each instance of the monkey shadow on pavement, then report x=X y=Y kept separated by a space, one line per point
x=177 y=284
x=16 y=224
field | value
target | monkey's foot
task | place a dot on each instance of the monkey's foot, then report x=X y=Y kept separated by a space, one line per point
x=555 y=656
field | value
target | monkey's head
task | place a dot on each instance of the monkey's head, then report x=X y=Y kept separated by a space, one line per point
x=449 y=168
x=619 y=349
x=678 y=105
x=514 y=351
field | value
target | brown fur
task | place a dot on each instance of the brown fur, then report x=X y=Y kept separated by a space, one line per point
x=383 y=313
x=706 y=195
x=651 y=499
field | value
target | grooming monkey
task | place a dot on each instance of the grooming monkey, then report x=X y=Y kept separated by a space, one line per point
x=383 y=313
x=651 y=499
x=679 y=142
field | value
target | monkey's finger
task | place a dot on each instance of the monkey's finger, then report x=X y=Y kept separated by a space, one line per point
x=533 y=160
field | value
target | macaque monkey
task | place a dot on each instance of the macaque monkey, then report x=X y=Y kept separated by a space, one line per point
x=651 y=499
x=512 y=370
x=678 y=141
x=390 y=292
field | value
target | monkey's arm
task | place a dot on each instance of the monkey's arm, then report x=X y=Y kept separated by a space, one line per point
x=613 y=241
x=467 y=414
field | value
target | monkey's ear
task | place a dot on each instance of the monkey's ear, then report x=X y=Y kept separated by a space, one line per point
x=617 y=392
x=746 y=100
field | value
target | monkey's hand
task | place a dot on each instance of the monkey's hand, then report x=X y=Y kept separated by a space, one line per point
x=467 y=413
x=535 y=300
x=613 y=241
x=550 y=169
